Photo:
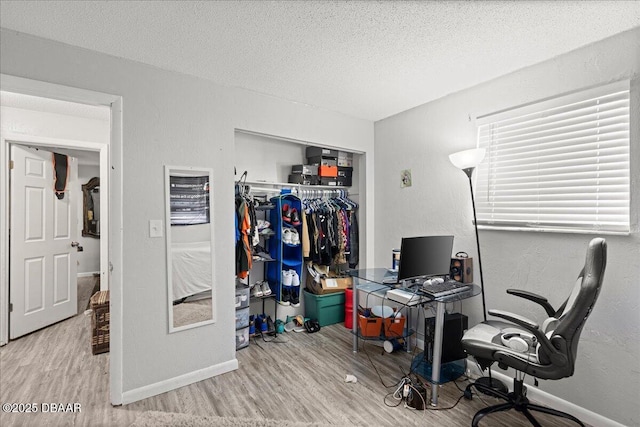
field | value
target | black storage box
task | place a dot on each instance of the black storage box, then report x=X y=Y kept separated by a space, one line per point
x=346 y=172
x=322 y=161
x=304 y=179
x=328 y=181
x=342 y=181
x=322 y=152
x=304 y=169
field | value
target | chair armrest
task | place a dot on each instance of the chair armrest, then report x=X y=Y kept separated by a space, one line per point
x=535 y=298
x=556 y=357
x=518 y=320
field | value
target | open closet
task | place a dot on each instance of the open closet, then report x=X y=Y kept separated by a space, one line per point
x=291 y=227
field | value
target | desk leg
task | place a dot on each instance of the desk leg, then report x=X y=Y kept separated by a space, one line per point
x=354 y=324
x=437 y=353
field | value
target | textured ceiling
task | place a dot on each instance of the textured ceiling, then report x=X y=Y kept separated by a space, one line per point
x=365 y=59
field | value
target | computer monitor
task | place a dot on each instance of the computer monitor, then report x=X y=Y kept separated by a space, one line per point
x=425 y=256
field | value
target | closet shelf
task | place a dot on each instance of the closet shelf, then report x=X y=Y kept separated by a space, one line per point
x=292 y=185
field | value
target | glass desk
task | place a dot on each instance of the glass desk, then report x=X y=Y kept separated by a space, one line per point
x=371 y=281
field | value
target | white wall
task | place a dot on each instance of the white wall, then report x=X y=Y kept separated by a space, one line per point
x=606 y=379
x=65 y=126
x=170 y=118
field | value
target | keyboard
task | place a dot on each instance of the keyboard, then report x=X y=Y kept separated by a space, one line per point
x=439 y=290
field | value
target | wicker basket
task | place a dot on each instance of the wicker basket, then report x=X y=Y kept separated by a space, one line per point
x=100 y=322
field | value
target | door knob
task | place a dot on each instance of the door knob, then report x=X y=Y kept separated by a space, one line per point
x=77 y=246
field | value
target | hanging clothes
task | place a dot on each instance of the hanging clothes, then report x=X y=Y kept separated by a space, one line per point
x=243 y=248
x=330 y=231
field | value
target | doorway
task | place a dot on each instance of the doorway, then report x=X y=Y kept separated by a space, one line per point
x=109 y=153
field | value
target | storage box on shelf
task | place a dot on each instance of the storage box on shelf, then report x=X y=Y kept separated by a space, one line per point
x=320 y=151
x=327 y=285
x=370 y=327
x=393 y=327
x=328 y=309
x=100 y=322
x=304 y=170
x=345 y=159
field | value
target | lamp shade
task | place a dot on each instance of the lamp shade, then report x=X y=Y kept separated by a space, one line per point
x=467 y=158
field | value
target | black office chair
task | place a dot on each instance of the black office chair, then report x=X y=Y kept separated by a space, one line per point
x=548 y=351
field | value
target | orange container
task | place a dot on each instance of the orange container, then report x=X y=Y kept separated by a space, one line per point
x=393 y=327
x=328 y=171
x=370 y=326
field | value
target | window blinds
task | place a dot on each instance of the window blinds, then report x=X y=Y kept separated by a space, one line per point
x=561 y=164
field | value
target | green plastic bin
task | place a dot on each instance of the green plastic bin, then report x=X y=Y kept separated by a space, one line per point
x=328 y=309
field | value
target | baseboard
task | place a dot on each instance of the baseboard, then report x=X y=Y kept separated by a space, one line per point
x=177 y=382
x=88 y=274
x=542 y=397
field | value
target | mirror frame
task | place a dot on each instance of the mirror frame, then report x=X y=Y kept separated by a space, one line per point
x=170 y=171
x=86 y=194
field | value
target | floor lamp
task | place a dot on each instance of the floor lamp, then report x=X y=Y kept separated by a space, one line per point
x=467 y=160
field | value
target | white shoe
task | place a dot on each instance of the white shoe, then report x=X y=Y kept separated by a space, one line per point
x=295 y=237
x=266 y=289
x=257 y=290
x=286 y=277
x=286 y=235
x=295 y=279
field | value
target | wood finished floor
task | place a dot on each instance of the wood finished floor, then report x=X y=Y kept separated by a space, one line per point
x=300 y=378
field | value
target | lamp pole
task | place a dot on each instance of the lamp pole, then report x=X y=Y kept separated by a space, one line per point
x=486 y=383
x=469 y=172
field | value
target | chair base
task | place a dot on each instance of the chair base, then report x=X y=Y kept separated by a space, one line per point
x=515 y=400
x=489 y=385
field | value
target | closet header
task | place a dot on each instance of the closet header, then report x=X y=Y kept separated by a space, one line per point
x=302 y=191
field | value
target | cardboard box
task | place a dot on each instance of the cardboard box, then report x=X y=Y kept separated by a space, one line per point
x=328 y=285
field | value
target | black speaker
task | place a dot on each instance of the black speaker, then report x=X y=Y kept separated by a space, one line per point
x=461 y=268
x=454 y=326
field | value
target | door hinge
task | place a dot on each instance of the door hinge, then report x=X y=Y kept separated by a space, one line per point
x=10 y=307
x=10 y=164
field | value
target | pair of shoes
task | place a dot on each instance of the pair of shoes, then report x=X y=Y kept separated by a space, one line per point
x=294 y=324
x=290 y=215
x=261 y=254
x=263 y=224
x=290 y=288
x=290 y=236
x=262 y=323
x=261 y=289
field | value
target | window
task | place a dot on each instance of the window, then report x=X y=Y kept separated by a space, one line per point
x=557 y=165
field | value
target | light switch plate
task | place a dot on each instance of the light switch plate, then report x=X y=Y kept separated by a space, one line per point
x=155 y=228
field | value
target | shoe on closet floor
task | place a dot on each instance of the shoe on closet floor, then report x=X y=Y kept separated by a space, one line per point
x=271 y=327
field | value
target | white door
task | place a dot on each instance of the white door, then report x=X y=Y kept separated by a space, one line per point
x=42 y=279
